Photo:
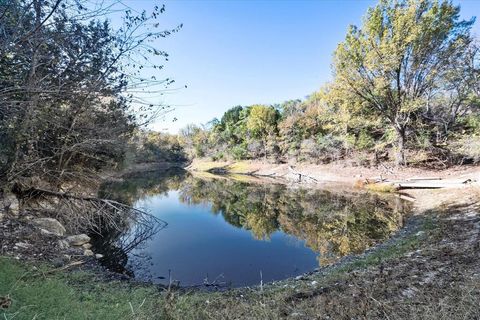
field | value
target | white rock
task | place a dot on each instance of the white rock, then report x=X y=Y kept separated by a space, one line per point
x=11 y=204
x=409 y=293
x=50 y=225
x=88 y=253
x=78 y=240
x=22 y=245
x=63 y=244
x=99 y=256
x=46 y=232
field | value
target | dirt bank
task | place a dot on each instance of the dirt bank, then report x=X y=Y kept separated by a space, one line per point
x=334 y=172
x=336 y=175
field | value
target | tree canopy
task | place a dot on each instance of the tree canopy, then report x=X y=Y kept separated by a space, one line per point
x=400 y=57
x=405 y=88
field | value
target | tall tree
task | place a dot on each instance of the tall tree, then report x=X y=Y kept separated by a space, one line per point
x=262 y=123
x=402 y=52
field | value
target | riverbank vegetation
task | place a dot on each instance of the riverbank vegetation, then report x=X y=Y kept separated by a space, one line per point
x=405 y=89
x=74 y=89
x=76 y=84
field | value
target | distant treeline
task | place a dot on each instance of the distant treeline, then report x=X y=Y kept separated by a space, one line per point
x=405 y=88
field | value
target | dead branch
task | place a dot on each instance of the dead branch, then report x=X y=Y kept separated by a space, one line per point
x=302 y=176
x=87 y=213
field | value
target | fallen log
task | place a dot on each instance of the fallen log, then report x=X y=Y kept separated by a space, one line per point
x=423 y=178
x=438 y=184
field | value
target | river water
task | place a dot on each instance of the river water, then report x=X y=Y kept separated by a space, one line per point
x=229 y=232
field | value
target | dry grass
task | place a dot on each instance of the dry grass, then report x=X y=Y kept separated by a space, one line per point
x=381 y=187
x=239 y=167
x=205 y=166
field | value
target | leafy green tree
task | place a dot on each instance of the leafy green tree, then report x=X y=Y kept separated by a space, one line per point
x=195 y=140
x=400 y=54
x=262 y=123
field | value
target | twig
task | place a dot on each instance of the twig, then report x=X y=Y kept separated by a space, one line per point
x=73 y=264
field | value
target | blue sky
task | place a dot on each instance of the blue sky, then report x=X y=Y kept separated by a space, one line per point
x=244 y=52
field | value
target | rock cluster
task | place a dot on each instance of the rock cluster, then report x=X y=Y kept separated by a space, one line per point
x=47 y=227
x=9 y=204
x=78 y=240
x=51 y=226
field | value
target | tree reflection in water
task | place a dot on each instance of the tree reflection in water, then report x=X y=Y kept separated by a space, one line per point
x=333 y=224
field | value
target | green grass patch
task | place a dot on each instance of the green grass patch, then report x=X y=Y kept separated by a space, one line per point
x=375 y=258
x=37 y=294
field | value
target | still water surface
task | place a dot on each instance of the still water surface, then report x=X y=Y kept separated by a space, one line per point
x=236 y=233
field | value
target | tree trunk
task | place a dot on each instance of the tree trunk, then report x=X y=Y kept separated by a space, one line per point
x=265 y=150
x=400 y=147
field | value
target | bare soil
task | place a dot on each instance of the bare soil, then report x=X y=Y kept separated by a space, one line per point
x=336 y=172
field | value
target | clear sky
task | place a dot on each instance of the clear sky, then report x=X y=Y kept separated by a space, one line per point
x=244 y=52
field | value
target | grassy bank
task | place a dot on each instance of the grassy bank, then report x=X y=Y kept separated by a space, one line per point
x=39 y=292
x=36 y=291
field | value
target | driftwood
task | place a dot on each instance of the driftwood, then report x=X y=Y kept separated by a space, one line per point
x=301 y=176
x=70 y=265
x=423 y=179
x=379 y=179
x=432 y=184
x=406 y=197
